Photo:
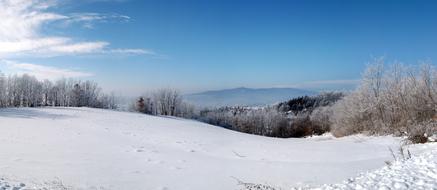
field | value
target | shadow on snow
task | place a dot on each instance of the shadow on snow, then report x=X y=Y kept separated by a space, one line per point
x=29 y=113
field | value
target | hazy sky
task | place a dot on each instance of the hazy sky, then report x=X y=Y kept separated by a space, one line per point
x=135 y=45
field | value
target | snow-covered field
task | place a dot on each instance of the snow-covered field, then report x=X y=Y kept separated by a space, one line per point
x=85 y=148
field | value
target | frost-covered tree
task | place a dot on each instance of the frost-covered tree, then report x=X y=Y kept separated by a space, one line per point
x=388 y=101
x=168 y=101
x=3 y=91
x=164 y=102
x=28 y=91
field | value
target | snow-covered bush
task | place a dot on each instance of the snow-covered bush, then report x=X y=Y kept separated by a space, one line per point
x=259 y=121
x=422 y=132
x=388 y=101
x=321 y=117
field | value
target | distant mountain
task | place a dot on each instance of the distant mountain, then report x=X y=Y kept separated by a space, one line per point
x=245 y=96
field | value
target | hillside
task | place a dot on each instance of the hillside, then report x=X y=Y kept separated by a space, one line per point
x=245 y=96
x=88 y=148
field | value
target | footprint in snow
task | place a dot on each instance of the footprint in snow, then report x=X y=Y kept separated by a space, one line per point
x=18 y=160
x=154 y=162
x=139 y=150
x=176 y=168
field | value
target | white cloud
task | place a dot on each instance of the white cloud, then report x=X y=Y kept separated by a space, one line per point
x=22 y=20
x=80 y=17
x=132 y=51
x=89 y=19
x=82 y=47
x=30 y=44
x=42 y=72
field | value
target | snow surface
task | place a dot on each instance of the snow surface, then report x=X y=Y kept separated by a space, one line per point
x=87 y=148
x=419 y=172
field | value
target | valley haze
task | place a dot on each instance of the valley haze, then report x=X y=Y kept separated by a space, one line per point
x=245 y=96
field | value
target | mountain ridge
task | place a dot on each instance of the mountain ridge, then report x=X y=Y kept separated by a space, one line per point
x=243 y=96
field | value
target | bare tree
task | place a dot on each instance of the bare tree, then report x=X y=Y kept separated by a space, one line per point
x=28 y=91
x=168 y=101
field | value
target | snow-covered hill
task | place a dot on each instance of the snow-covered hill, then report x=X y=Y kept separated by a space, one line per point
x=88 y=148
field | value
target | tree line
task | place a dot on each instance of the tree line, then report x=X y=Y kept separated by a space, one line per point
x=27 y=91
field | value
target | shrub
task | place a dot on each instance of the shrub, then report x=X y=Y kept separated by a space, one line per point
x=420 y=133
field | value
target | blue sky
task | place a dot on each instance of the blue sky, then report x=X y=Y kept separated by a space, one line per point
x=132 y=46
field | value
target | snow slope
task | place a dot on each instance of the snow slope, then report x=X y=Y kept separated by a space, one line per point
x=419 y=172
x=99 y=149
